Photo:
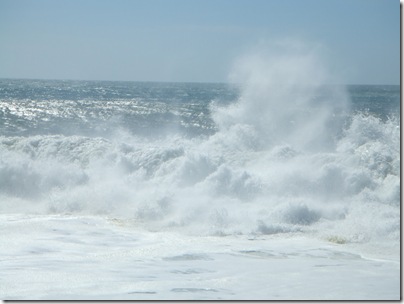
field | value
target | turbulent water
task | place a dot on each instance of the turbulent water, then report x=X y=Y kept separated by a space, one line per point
x=208 y=158
x=260 y=159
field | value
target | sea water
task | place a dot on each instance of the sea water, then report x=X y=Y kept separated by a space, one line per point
x=259 y=189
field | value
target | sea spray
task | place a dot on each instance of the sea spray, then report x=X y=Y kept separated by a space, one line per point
x=286 y=156
x=287 y=96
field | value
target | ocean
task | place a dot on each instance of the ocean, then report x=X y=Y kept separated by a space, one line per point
x=196 y=191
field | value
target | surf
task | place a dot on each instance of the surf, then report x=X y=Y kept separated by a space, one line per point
x=286 y=155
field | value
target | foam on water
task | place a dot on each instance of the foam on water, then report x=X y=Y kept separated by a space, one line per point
x=287 y=157
x=87 y=257
x=135 y=191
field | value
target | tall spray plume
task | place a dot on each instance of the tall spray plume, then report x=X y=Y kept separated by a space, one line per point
x=287 y=96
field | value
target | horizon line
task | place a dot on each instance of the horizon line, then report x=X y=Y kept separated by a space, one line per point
x=170 y=81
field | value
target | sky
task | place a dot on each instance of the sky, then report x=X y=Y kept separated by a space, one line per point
x=192 y=40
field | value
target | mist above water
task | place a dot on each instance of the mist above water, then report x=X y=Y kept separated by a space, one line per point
x=287 y=96
x=288 y=156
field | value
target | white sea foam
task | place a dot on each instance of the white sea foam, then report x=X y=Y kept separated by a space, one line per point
x=285 y=158
x=292 y=188
x=90 y=258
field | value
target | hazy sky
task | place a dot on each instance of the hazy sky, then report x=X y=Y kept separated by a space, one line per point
x=191 y=40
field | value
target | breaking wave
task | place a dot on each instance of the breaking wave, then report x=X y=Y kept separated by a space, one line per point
x=287 y=156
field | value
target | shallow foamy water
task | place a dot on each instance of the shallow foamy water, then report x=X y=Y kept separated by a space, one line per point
x=71 y=257
x=283 y=187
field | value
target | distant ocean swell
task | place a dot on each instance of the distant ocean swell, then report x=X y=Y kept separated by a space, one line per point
x=278 y=159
